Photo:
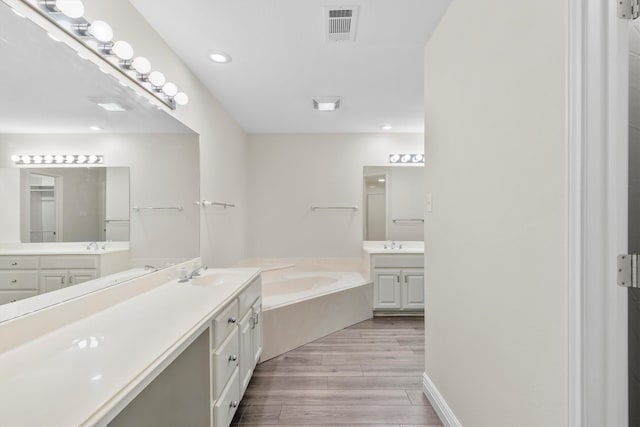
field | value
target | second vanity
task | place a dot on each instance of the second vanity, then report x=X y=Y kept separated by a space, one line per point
x=27 y=270
x=152 y=351
x=397 y=272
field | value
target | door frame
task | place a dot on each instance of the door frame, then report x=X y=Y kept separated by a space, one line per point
x=596 y=213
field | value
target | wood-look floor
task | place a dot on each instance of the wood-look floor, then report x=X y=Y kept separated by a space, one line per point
x=367 y=375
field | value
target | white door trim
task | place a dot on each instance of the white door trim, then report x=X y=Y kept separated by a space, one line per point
x=597 y=214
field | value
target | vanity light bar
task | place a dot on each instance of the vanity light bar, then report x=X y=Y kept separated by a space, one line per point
x=57 y=159
x=406 y=158
x=98 y=36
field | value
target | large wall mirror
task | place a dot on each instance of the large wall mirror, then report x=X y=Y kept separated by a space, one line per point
x=57 y=103
x=393 y=203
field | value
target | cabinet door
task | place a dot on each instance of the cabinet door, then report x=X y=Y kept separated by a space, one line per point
x=79 y=276
x=386 y=288
x=413 y=289
x=246 y=351
x=257 y=331
x=52 y=280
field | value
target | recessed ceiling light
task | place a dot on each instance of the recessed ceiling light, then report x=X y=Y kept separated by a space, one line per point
x=220 y=57
x=95 y=128
x=381 y=180
x=387 y=127
x=326 y=103
x=111 y=106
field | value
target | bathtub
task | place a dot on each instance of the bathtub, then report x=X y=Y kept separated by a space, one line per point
x=300 y=307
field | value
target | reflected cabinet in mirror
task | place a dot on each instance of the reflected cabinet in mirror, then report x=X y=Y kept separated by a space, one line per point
x=393 y=207
x=63 y=224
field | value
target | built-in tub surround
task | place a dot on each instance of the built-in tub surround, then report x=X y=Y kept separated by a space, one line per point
x=306 y=299
x=110 y=348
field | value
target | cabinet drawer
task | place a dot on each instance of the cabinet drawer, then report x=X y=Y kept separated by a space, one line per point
x=249 y=296
x=225 y=407
x=224 y=323
x=68 y=262
x=18 y=262
x=26 y=280
x=225 y=361
x=397 y=261
x=11 y=296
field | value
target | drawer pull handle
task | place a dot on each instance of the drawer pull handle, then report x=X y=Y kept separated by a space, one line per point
x=233 y=358
x=14 y=263
x=233 y=404
x=232 y=320
x=14 y=281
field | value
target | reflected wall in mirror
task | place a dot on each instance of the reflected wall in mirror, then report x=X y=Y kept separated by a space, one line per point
x=88 y=204
x=393 y=207
x=53 y=115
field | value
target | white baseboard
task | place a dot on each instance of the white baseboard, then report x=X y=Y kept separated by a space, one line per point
x=443 y=410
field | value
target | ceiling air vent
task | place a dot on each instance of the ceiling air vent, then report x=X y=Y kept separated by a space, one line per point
x=341 y=23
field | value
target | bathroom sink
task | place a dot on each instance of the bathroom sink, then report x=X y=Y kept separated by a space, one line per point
x=215 y=278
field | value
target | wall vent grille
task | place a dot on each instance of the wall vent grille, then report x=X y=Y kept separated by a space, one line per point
x=340 y=23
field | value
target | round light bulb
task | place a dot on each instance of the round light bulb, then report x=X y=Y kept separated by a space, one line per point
x=122 y=50
x=181 y=98
x=73 y=9
x=101 y=31
x=15 y=158
x=157 y=79
x=170 y=89
x=418 y=158
x=48 y=158
x=26 y=159
x=406 y=158
x=59 y=158
x=141 y=65
x=69 y=158
x=37 y=159
x=92 y=158
x=394 y=158
x=81 y=158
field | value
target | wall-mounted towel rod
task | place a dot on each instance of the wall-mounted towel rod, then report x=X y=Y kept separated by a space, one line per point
x=160 y=208
x=352 y=208
x=116 y=220
x=210 y=203
x=395 y=221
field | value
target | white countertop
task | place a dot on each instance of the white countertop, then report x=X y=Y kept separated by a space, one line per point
x=77 y=373
x=61 y=248
x=408 y=247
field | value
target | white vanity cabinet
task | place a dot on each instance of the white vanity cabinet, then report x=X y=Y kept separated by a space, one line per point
x=237 y=345
x=398 y=282
x=29 y=275
x=18 y=277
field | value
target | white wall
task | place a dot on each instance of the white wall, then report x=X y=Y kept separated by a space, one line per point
x=222 y=142
x=496 y=338
x=163 y=172
x=290 y=172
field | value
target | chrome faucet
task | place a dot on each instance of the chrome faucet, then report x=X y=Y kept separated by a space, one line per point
x=185 y=277
x=93 y=245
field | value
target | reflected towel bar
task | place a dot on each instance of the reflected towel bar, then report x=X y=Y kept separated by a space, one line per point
x=352 y=208
x=152 y=208
x=116 y=220
x=395 y=221
x=209 y=203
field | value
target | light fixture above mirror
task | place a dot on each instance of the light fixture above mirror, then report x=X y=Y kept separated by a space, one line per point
x=98 y=35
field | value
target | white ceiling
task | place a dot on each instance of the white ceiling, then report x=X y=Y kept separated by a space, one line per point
x=48 y=88
x=281 y=60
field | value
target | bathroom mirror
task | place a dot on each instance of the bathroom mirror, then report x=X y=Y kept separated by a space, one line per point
x=393 y=204
x=53 y=104
x=85 y=204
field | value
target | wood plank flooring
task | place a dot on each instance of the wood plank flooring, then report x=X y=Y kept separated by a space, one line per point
x=367 y=375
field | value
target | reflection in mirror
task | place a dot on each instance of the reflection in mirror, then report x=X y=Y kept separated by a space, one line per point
x=393 y=207
x=88 y=204
x=50 y=242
